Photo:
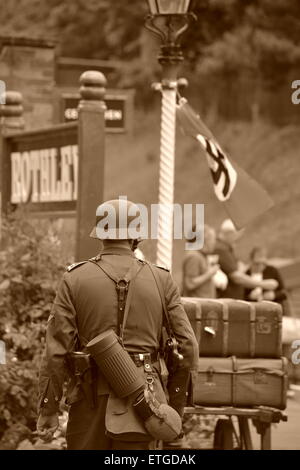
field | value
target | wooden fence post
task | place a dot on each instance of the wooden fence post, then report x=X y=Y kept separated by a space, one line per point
x=91 y=148
x=11 y=121
x=11 y=113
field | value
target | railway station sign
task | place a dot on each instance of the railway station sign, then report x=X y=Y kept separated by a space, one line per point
x=41 y=169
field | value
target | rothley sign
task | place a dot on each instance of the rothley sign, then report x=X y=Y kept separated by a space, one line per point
x=44 y=175
x=41 y=169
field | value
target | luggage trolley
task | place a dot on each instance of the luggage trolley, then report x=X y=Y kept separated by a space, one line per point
x=240 y=348
x=227 y=437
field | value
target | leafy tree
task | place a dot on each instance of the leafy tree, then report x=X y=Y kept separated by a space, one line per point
x=30 y=267
x=267 y=31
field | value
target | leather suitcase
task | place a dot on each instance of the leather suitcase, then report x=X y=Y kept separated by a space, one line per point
x=225 y=327
x=240 y=382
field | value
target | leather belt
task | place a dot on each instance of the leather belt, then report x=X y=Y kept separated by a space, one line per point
x=141 y=358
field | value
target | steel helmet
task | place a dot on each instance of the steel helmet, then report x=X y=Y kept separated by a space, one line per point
x=118 y=219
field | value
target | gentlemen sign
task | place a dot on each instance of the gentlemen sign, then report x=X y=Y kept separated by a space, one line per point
x=117 y=114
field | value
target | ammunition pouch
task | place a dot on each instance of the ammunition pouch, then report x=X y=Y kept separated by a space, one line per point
x=83 y=369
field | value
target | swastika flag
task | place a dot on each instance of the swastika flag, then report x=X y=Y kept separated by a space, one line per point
x=243 y=198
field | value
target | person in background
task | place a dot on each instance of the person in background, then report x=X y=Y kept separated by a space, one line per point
x=197 y=272
x=238 y=280
x=260 y=269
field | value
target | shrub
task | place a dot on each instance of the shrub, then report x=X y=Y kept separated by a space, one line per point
x=31 y=263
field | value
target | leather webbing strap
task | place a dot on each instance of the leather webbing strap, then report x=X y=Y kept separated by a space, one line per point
x=124 y=288
x=163 y=300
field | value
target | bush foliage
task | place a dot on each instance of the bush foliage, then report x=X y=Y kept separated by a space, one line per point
x=31 y=263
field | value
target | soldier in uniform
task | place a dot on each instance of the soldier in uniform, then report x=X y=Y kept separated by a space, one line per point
x=86 y=305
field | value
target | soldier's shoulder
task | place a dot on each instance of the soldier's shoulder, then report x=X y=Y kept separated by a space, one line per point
x=161 y=267
x=73 y=266
x=161 y=270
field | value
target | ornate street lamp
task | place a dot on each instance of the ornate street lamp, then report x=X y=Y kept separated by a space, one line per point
x=168 y=19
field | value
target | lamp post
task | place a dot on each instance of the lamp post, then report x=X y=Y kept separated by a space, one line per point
x=168 y=19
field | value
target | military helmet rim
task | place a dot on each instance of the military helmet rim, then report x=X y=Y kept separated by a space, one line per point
x=118 y=205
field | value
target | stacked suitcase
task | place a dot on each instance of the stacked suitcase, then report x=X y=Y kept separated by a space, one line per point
x=240 y=360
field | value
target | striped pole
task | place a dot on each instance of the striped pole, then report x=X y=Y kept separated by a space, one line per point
x=166 y=174
x=168 y=26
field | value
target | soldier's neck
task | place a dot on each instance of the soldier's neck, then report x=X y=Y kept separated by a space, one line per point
x=124 y=244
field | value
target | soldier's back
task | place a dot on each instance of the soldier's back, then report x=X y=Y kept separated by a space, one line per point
x=95 y=300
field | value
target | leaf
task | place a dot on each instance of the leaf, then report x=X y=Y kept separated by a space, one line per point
x=26 y=257
x=16 y=390
x=36 y=313
x=17 y=279
x=6 y=415
x=4 y=285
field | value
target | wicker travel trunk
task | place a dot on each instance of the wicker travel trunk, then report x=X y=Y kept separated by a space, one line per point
x=240 y=382
x=225 y=327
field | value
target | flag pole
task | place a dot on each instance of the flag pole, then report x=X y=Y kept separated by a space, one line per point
x=167 y=169
x=168 y=27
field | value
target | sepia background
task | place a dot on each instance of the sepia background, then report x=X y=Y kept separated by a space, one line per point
x=241 y=57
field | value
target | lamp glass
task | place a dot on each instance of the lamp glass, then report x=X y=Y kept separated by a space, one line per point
x=168 y=7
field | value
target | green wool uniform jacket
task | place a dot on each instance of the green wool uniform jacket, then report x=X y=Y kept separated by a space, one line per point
x=86 y=305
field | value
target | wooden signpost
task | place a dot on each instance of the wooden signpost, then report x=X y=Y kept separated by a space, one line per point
x=57 y=170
